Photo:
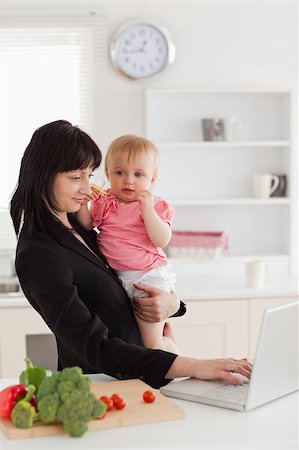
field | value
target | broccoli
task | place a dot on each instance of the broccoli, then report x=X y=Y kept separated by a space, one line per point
x=48 y=385
x=73 y=374
x=66 y=398
x=97 y=406
x=47 y=407
x=23 y=413
x=75 y=427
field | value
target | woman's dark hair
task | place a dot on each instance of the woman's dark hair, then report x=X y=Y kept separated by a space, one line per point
x=55 y=147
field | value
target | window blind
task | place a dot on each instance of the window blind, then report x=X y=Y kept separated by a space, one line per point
x=49 y=70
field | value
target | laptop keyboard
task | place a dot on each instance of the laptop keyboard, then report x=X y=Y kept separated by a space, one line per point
x=230 y=393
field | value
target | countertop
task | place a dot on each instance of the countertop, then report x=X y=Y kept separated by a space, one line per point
x=207 y=287
x=272 y=426
x=227 y=286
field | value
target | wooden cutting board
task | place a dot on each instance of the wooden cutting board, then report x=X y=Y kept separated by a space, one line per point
x=136 y=411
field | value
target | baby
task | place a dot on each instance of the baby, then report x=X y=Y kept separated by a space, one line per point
x=134 y=227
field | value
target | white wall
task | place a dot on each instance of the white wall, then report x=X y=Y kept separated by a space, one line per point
x=219 y=44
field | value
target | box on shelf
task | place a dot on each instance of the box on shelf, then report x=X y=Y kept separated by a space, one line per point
x=197 y=244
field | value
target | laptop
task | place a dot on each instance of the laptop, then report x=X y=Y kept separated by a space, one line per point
x=275 y=368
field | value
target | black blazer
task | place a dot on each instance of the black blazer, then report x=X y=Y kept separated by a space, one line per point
x=84 y=304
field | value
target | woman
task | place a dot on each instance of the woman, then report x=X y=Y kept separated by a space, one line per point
x=69 y=282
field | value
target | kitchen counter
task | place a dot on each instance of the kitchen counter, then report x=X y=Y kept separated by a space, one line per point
x=205 y=287
x=227 y=286
x=272 y=426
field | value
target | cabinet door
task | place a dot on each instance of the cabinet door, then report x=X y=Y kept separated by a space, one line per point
x=213 y=329
x=15 y=325
x=256 y=311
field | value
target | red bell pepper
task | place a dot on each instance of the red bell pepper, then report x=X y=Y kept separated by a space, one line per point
x=9 y=397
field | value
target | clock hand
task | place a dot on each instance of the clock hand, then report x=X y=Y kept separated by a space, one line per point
x=141 y=50
x=133 y=45
x=135 y=51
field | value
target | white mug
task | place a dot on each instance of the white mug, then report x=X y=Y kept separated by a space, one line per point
x=255 y=273
x=231 y=129
x=264 y=184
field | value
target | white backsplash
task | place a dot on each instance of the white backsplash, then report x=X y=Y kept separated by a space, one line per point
x=7 y=244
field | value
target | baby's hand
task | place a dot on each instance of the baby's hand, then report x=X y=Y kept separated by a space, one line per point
x=95 y=194
x=97 y=188
x=146 y=200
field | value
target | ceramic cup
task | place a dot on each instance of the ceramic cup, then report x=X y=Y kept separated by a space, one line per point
x=212 y=129
x=255 y=273
x=264 y=184
x=281 y=190
x=231 y=129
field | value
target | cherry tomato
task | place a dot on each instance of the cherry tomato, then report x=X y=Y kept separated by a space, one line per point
x=149 y=396
x=108 y=401
x=114 y=396
x=119 y=403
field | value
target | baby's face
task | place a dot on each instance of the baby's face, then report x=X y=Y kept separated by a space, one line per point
x=129 y=177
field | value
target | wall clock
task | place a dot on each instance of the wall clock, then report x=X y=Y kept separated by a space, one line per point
x=141 y=49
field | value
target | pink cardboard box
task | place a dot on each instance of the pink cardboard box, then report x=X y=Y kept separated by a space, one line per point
x=197 y=244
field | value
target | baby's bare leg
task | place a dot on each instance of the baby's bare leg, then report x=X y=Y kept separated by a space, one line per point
x=168 y=331
x=157 y=335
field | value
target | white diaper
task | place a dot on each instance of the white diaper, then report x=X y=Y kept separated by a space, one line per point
x=162 y=278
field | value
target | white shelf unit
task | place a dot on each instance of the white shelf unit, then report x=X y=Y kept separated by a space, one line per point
x=210 y=182
x=177 y=201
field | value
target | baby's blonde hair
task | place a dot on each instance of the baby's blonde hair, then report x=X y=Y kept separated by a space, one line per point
x=133 y=145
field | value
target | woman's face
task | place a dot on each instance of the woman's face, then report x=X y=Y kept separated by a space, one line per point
x=70 y=189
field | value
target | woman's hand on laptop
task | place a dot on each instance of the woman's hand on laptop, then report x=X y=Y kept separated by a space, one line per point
x=210 y=369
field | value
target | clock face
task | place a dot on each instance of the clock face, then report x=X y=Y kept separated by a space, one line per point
x=141 y=50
